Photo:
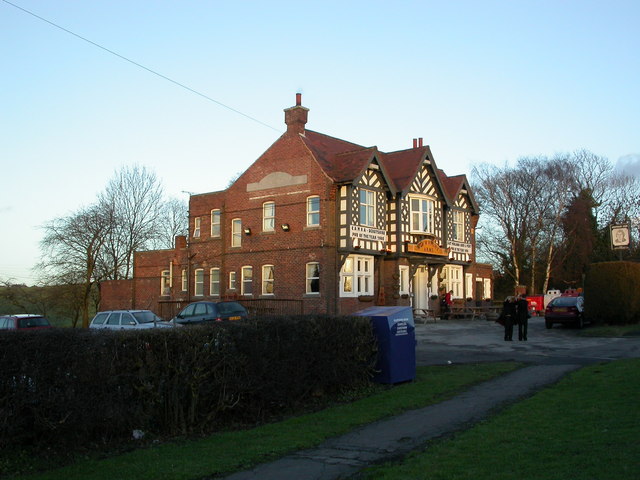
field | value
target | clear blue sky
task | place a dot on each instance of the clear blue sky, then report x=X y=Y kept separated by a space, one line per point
x=480 y=81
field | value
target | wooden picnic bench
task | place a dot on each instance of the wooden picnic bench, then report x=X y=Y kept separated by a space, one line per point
x=424 y=314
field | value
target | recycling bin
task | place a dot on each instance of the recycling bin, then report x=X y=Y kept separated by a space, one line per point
x=394 y=329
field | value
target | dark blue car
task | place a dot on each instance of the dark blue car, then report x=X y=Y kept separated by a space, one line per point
x=208 y=312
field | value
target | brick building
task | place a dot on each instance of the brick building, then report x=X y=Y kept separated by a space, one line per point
x=325 y=224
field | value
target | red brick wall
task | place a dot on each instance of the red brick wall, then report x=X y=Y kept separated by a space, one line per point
x=116 y=295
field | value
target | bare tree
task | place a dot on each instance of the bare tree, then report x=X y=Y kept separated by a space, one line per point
x=521 y=226
x=134 y=195
x=71 y=248
x=175 y=221
x=499 y=193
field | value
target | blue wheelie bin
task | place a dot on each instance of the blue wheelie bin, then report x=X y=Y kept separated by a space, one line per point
x=394 y=329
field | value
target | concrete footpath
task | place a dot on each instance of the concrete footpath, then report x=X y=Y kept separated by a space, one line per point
x=394 y=437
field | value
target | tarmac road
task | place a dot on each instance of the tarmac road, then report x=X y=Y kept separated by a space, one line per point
x=471 y=341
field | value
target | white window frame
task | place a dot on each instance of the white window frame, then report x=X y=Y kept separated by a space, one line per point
x=311 y=277
x=468 y=285
x=313 y=211
x=422 y=219
x=268 y=284
x=198 y=282
x=215 y=223
x=232 y=280
x=458 y=225
x=236 y=232
x=357 y=276
x=246 y=280
x=196 y=227
x=165 y=282
x=367 y=207
x=214 y=282
x=453 y=279
x=269 y=217
x=403 y=280
x=486 y=287
x=185 y=286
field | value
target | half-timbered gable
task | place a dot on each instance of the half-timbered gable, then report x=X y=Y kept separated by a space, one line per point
x=459 y=219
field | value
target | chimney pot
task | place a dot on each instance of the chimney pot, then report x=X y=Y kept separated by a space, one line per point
x=415 y=143
x=298 y=99
x=420 y=142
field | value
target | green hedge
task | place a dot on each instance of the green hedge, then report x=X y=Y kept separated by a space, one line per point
x=612 y=293
x=69 y=387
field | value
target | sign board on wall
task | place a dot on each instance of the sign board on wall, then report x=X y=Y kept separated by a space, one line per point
x=368 y=233
x=459 y=247
x=428 y=247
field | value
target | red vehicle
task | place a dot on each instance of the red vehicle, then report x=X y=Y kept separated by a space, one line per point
x=24 y=321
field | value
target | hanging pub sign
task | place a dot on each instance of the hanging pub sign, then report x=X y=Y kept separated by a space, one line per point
x=620 y=237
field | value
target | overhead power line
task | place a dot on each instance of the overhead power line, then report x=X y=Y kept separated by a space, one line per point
x=122 y=57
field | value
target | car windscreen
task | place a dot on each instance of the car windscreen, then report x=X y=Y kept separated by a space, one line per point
x=564 y=301
x=146 y=317
x=230 y=307
x=32 y=322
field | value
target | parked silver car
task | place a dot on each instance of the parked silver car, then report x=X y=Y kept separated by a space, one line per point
x=128 y=319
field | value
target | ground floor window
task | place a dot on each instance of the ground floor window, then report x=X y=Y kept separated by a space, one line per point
x=165 y=283
x=267 y=279
x=486 y=288
x=313 y=277
x=247 y=281
x=214 y=282
x=452 y=279
x=404 y=279
x=356 y=276
x=199 y=280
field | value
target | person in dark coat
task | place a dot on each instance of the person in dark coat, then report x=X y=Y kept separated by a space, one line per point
x=523 y=317
x=509 y=316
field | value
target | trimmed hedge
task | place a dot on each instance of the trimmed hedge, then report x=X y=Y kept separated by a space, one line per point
x=70 y=387
x=612 y=293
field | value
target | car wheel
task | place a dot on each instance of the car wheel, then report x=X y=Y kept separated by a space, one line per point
x=548 y=323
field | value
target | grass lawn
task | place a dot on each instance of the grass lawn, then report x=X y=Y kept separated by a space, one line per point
x=611 y=330
x=585 y=427
x=226 y=452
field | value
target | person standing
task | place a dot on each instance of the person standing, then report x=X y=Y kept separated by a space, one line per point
x=509 y=312
x=523 y=317
x=448 y=301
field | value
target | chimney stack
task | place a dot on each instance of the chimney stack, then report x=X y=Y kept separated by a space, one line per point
x=296 y=117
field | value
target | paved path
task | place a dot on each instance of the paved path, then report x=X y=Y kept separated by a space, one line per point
x=550 y=353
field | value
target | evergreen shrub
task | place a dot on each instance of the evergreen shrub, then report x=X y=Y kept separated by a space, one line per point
x=612 y=293
x=75 y=387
